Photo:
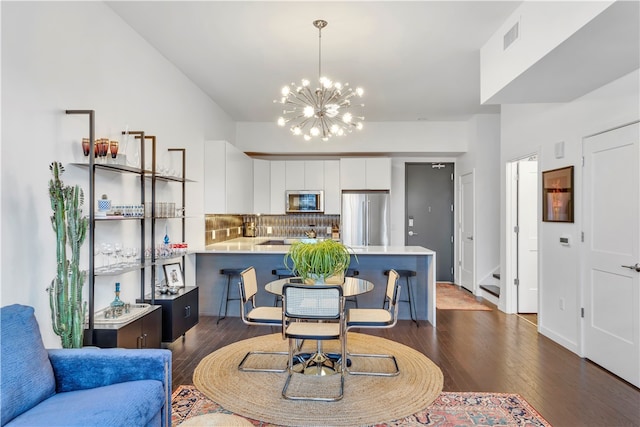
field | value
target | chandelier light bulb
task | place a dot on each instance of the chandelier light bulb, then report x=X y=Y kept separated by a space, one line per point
x=321 y=112
x=308 y=111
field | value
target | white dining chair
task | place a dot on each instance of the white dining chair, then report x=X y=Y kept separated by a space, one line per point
x=376 y=318
x=257 y=316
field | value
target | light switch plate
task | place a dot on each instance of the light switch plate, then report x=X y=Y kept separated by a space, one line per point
x=269 y=230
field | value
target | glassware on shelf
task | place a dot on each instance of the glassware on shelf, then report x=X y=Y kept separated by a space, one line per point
x=113 y=149
x=132 y=150
x=106 y=249
x=103 y=149
x=117 y=249
x=86 y=146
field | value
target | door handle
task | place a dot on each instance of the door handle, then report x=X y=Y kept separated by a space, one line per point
x=411 y=233
x=470 y=237
x=633 y=267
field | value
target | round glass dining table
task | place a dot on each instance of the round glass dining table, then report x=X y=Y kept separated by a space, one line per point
x=321 y=363
x=352 y=286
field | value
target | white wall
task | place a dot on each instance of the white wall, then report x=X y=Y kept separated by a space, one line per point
x=483 y=159
x=429 y=138
x=537 y=127
x=80 y=55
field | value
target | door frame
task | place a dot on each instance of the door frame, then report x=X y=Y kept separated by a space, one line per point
x=507 y=278
x=458 y=230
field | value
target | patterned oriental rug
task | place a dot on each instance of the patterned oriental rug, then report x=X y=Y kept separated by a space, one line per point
x=190 y=406
x=452 y=297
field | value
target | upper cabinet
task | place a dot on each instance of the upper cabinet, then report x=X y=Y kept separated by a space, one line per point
x=365 y=173
x=261 y=186
x=278 y=182
x=304 y=175
x=332 y=187
x=228 y=179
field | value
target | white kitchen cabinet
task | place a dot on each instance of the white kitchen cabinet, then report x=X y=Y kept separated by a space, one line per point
x=261 y=186
x=313 y=175
x=378 y=173
x=304 y=175
x=228 y=179
x=294 y=175
x=331 y=187
x=278 y=181
x=215 y=181
x=365 y=173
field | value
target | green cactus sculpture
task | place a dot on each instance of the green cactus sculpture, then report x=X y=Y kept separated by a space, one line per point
x=65 y=293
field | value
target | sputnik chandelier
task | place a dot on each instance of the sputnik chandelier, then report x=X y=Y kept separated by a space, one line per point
x=321 y=112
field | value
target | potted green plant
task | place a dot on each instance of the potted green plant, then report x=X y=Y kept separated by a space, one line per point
x=324 y=261
x=65 y=293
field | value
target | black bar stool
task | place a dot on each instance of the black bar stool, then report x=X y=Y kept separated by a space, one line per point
x=407 y=274
x=281 y=273
x=224 y=301
x=351 y=273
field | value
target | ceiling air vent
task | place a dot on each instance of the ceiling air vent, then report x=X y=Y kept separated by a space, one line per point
x=511 y=35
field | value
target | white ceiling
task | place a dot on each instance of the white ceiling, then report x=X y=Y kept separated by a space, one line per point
x=416 y=60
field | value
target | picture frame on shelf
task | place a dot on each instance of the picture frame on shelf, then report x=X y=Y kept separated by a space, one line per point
x=173 y=275
x=557 y=195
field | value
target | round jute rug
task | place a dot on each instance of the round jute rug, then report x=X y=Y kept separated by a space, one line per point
x=367 y=399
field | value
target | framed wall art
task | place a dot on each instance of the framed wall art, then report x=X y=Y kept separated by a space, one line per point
x=557 y=195
x=173 y=275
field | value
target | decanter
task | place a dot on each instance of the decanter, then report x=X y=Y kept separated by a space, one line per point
x=117 y=305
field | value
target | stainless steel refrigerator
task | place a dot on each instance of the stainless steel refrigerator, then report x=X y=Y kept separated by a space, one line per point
x=365 y=218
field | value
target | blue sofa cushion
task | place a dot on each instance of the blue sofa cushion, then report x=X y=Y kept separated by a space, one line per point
x=134 y=403
x=26 y=376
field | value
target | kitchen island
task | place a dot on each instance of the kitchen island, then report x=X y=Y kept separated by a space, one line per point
x=370 y=261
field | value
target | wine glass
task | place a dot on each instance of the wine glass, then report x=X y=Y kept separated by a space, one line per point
x=128 y=254
x=117 y=249
x=106 y=249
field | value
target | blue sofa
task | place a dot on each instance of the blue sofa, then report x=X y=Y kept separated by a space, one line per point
x=78 y=387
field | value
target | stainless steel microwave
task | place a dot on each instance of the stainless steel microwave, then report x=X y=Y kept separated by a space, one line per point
x=303 y=201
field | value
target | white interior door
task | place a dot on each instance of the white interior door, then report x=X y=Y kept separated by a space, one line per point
x=612 y=245
x=467 y=246
x=527 y=236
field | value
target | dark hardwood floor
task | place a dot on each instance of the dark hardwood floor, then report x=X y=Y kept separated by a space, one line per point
x=484 y=351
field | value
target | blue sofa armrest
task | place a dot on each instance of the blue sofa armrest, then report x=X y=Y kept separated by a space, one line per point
x=83 y=368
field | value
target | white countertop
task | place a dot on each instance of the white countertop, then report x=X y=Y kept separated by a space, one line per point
x=251 y=245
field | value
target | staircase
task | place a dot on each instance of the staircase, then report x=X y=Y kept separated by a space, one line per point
x=492 y=288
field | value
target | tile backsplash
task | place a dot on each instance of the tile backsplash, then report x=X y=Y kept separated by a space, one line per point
x=228 y=227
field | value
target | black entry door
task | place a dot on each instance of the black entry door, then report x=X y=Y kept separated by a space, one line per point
x=429 y=212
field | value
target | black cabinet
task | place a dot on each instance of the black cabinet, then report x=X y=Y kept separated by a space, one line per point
x=143 y=332
x=179 y=312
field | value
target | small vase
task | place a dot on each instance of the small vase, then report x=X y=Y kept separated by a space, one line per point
x=117 y=304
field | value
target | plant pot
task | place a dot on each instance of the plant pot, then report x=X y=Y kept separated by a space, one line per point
x=336 y=279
